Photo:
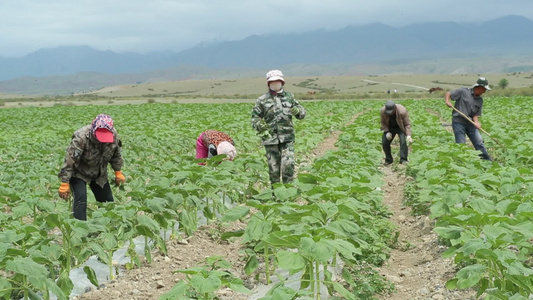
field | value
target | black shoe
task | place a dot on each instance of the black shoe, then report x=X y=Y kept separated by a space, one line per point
x=404 y=162
x=387 y=163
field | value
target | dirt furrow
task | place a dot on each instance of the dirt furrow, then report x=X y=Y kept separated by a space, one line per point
x=415 y=267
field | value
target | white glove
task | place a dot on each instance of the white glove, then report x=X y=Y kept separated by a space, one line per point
x=388 y=136
x=409 y=139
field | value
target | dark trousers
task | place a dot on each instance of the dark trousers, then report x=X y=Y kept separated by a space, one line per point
x=79 y=191
x=386 y=146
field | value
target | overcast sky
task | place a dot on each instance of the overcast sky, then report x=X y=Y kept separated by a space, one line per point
x=151 y=25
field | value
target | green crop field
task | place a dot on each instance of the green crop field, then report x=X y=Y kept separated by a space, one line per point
x=333 y=211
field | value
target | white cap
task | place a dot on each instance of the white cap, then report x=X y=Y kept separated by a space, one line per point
x=274 y=75
x=228 y=149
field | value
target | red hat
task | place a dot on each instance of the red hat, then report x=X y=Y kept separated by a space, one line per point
x=102 y=128
x=104 y=135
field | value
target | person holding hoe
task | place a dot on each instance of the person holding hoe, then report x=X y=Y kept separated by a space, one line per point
x=272 y=119
x=214 y=142
x=466 y=113
x=91 y=149
x=395 y=121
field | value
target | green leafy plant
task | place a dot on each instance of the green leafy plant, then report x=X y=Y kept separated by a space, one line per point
x=203 y=281
x=482 y=209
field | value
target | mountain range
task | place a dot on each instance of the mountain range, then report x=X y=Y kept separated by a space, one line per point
x=67 y=69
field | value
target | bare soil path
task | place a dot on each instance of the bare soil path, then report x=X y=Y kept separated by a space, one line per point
x=155 y=279
x=415 y=267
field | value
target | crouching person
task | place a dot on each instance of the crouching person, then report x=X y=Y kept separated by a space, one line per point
x=212 y=142
x=91 y=149
x=395 y=121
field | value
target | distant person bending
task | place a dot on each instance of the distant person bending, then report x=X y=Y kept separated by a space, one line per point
x=272 y=118
x=213 y=142
x=395 y=121
x=468 y=100
x=91 y=149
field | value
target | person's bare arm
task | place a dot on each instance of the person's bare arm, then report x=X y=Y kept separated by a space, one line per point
x=447 y=98
x=476 y=121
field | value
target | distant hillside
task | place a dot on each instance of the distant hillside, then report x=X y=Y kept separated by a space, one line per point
x=374 y=48
x=68 y=60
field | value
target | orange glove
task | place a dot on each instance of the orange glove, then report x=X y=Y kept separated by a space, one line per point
x=119 y=178
x=64 y=190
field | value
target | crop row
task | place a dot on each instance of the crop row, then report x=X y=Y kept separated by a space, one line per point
x=336 y=197
x=41 y=242
x=482 y=209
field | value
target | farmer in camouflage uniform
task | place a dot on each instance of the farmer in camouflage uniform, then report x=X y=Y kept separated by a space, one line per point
x=91 y=149
x=272 y=118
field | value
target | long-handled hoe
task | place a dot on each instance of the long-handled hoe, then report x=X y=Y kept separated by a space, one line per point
x=469 y=120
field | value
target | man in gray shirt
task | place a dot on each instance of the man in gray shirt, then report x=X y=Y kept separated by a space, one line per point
x=468 y=101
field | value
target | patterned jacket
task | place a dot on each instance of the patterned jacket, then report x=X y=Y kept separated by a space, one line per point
x=210 y=137
x=275 y=109
x=87 y=158
x=215 y=137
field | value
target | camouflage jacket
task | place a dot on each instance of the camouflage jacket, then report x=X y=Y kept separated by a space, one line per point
x=275 y=109
x=87 y=158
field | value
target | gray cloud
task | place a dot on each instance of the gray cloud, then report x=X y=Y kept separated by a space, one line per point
x=142 y=26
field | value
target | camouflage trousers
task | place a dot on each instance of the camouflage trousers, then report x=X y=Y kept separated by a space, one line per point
x=280 y=159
